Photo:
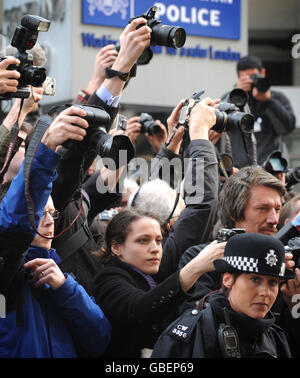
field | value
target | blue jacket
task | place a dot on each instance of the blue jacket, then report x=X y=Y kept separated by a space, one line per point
x=57 y=323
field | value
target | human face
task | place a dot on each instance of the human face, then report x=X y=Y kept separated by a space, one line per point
x=46 y=227
x=142 y=247
x=251 y=294
x=261 y=214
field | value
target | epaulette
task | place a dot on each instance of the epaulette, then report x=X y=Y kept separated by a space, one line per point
x=182 y=328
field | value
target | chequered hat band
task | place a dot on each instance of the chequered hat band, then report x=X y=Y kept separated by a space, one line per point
x=247 y=264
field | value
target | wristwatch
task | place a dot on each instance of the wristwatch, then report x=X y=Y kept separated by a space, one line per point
x=109 y=73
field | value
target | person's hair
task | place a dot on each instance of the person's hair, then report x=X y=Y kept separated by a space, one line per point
x=118 y=229
x=236 y=191
x=249 y=61
x=288 y=211
x=155 y=196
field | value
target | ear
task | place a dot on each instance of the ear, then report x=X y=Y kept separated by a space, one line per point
x=168 y=227
x=228 y=280
x=263 y=71
x=116 y=248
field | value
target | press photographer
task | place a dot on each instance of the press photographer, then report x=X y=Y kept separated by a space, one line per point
x=273 y=113
x=24 y=38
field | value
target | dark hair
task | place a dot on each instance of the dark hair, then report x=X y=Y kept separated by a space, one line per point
x=249 y=61
x=118 y=229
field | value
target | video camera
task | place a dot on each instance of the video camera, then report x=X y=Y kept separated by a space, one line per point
x=98 y=140
x=25 y=38
x=260 y=82
x=162 y=35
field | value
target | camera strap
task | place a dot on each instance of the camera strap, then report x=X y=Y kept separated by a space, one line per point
x=40 y=129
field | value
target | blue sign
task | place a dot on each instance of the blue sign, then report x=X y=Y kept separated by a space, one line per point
x=206 y=18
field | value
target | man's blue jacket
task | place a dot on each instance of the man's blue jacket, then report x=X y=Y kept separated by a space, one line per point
x=56 y=323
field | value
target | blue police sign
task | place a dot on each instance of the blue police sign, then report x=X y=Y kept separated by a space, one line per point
x=206 y=18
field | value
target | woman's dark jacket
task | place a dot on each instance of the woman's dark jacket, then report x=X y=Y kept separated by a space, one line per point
x=195 y=334
x=137 y=313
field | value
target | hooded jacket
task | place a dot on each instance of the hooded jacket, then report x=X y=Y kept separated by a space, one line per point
x=56 y=323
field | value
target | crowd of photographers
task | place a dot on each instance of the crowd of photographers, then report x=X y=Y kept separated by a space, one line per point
x=182 y=259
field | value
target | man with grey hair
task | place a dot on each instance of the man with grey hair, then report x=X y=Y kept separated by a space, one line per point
x=251 y=199
x=197 y=213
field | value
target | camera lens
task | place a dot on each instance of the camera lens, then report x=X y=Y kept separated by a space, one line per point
x=178 y=36
x=247 y=122
x=169 y=36
x=33 y=75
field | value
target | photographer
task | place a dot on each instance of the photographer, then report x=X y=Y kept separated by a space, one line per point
x=76 y=243
x=48 y=313
x=194 y=222
x=272 y=110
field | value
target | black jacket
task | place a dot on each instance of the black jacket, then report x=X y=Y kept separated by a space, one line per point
x=195 y=334
x=137 y=313
x=276 y=119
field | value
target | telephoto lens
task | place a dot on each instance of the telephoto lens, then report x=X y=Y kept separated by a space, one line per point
x=169 y=36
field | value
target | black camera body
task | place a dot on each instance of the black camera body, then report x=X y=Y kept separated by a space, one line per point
x=98 y=140
x=148 y=125
x=163 y=35
x=293 y=247
x=226 y=233
x=260 y=82
x=24 y=39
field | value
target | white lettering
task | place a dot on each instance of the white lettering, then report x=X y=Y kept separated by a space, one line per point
x=184 y=18
x=161 y=9
x=173 y=13
x=295 y=312
x=2 y=306
x=201 y=19
x=215 y=18
x=296 y=48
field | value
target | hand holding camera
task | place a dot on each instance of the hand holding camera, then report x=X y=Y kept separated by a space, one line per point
x=69 y=124
x=9 y=78
x=202 y=119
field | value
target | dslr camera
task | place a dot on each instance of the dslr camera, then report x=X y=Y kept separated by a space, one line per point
x=162 y=35
x=24 y=38
x=260 y=82
x=228 y=114
x=275 y=164
x=148 y=125
x=98 y=140
x=226 y=233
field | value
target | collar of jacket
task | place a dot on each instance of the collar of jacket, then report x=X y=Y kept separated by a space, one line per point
x=247 y=328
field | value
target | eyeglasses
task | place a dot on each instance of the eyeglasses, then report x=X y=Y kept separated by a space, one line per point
x=54 y=213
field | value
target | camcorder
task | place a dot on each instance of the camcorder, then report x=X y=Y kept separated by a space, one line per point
x=225 y=234
x=228 y=114
x=24 y=38
x=97 y=138
x=162 y=35
x=260 y=82
x=148 y=125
